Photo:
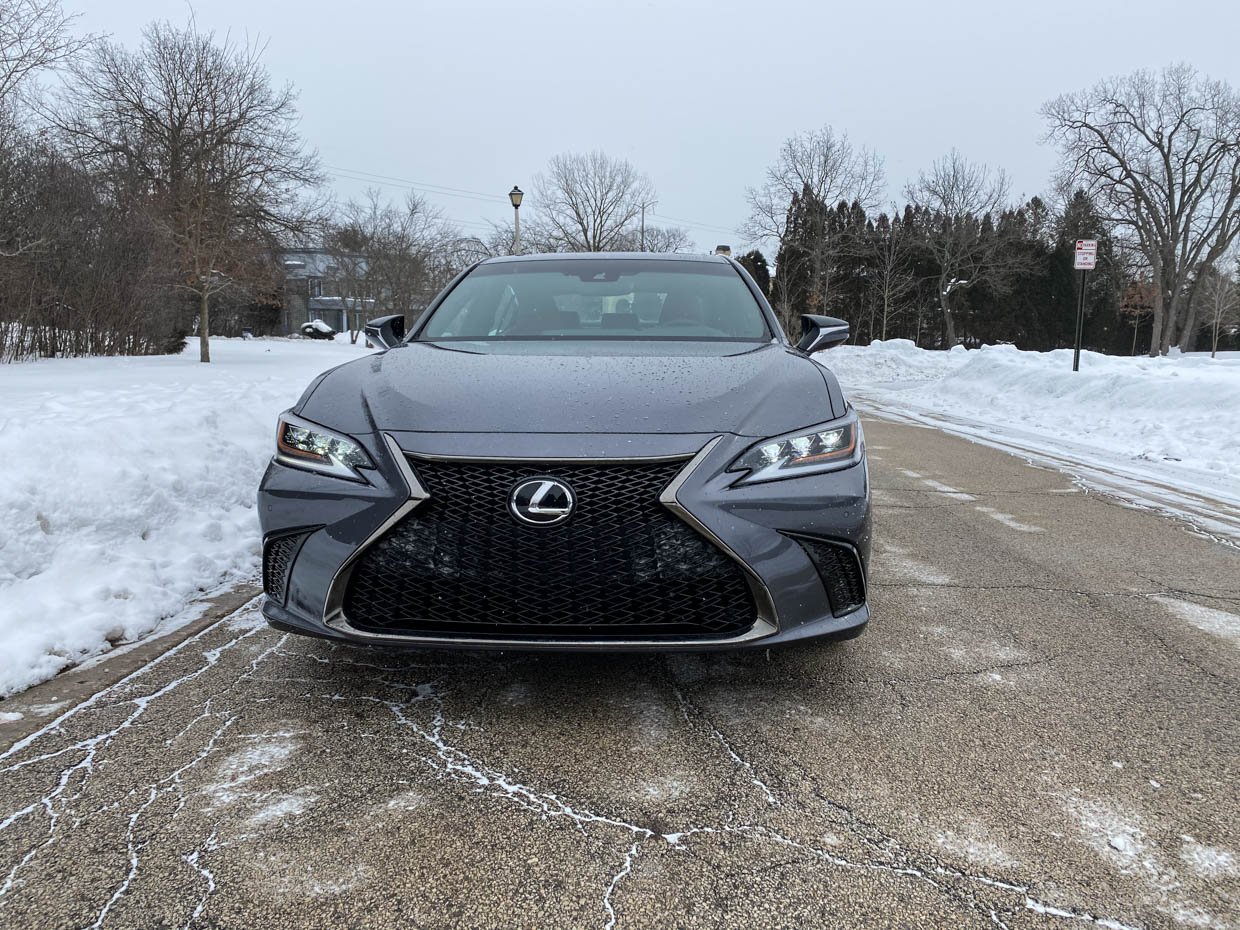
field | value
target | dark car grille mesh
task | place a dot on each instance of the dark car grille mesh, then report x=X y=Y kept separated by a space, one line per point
x=278 y=555
x=622 y=565
x=840 y=571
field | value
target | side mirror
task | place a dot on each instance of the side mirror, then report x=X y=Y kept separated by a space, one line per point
x=821 y=332
x=386 y=331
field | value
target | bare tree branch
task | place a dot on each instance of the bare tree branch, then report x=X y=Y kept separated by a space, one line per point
x=586 y=203
x=396 y=256
x=1220 y=295
x=34 y=35
x=191 y=131
x=824 y=164
x=1161 y=154
x=961 y=202
x=817 y=169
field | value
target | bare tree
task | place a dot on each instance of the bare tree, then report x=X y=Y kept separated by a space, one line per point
x=34 y=34
x=1161 y=154
x=397 y=256
x=80 y=273
x=192 y=130
x=819 y=161
x=658 y=239
x=821 y=168
x=1219 y=293
x=501 y=240
x=961 y=203
x=465 y=250
x=587 y=203
x=891 y=278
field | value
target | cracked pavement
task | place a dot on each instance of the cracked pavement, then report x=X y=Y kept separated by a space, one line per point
x=1039 y=729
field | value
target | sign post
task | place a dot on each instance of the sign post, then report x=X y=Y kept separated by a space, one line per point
x=1086 y=260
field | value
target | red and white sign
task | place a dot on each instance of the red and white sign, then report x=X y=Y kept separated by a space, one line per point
x=1086 y=254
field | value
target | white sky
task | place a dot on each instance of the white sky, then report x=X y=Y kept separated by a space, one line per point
x=477 y=95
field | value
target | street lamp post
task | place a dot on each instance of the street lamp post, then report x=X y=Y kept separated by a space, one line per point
x=515 y=196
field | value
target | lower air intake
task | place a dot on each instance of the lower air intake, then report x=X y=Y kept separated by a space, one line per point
x=840 y=571
x=278 y=555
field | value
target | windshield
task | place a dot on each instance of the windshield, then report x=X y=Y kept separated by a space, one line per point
x=604 y=298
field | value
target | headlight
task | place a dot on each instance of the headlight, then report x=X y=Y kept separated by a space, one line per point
x=824 y=448
x=303 y=444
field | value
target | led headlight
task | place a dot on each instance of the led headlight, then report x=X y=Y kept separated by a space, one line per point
x=824 y=448
x=303 y=444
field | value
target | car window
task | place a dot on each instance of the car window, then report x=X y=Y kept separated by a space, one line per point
x=605 y=298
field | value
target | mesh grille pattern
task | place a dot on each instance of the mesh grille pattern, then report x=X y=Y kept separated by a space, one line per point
x=621 y=565
x=278 y=562
x=840 y=572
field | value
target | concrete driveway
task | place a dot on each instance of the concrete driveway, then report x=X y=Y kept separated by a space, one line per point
x=1041 y=728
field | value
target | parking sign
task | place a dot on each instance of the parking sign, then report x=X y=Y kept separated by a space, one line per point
x=1086 y=254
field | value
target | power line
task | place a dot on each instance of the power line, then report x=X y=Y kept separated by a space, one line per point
x=430 y=188
x=475 y=224
x=681 y=219
x=419 y=190
x=356 y=174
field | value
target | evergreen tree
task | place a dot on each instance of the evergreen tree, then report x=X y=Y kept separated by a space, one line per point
x=755 y=263
x=1105 y=329
x=798 y=285
x=883 y=275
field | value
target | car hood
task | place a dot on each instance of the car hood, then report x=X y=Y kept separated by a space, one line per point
x=577 y=387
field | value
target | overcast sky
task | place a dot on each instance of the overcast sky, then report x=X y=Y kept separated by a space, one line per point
x=477 y=96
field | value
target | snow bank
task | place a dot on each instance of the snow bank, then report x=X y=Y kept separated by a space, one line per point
x=1183 y=410
x=128 y=490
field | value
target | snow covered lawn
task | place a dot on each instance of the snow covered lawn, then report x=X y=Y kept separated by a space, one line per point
x=128 y=483
x=128 y=490
x=1172 y=422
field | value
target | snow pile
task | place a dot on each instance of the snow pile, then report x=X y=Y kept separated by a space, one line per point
x=129 y=490
x=895 y=361
x=1182 y=411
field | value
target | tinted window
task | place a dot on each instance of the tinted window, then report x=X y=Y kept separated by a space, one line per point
x=599 y=299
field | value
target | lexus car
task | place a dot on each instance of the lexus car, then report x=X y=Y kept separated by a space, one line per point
x=588 y=451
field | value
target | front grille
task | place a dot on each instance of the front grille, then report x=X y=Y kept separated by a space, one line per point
x=278 y=555
x=621 y=566
x=840 y=571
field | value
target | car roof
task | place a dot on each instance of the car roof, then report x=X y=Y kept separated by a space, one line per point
x=591 y=256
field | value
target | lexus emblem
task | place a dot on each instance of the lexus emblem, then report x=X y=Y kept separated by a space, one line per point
x=541 y=501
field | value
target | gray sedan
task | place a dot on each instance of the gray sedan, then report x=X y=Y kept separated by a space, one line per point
x=594 y=451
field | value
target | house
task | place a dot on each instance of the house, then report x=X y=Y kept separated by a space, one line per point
x=322 y=285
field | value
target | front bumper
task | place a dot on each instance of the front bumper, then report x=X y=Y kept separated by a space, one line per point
x=333 y=522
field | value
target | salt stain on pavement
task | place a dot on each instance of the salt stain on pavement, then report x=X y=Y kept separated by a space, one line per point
x=409 y=800
x=1207 y=619
x=266 y=754
x=979 y=650
x=1119 y=837
x=970 y=842
x=947 y=490
x=282 y=807
x=1209 y=862
x=665 y=787
x=908 y=568
x=1008 y=520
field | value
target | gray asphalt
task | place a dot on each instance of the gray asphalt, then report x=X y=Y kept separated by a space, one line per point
x=1039 y=729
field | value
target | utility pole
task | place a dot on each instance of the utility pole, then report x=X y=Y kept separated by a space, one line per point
x=645 y=206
